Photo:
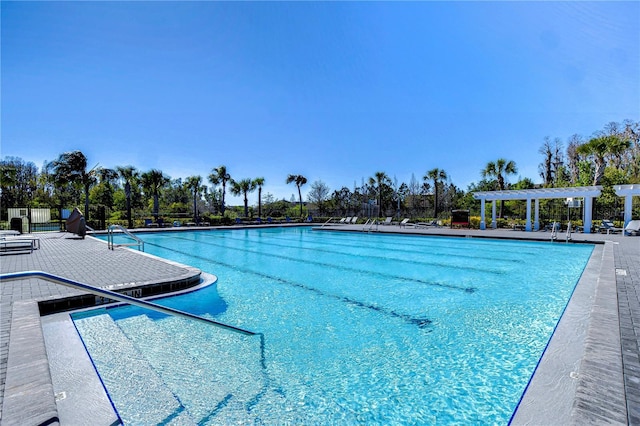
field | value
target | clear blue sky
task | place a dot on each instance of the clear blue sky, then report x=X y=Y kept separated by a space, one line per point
x=334 y=91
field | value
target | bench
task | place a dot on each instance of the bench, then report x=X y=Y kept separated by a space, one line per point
x=15 y=246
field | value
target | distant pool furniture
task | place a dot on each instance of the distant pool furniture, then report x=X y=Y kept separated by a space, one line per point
x=552 y=227
x=609 y=227
x=18 y=245
x=405 y=222
x=176 y=223
x=427 y=224
x=387 y=221
x=354 y=220
x=632 y=228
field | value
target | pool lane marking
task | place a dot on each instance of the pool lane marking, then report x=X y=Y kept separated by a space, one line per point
x=410 y=261
x=420 y=322
x=435 y=242
x=330 y=265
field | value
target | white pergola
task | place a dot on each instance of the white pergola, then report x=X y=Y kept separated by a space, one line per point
x=587 y=193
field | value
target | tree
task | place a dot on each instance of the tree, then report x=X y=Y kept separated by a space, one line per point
x=219 y=175
x=437 y=176
x=379 y=180
x=599 y=149
x=129 y=174
x=498 y=170
x=194 y=183
x=573 y=157
x=319 y=194
x=71 y=167
x=243 y=186
x=258 y=182
x=152 y=182
x=299 y=180
x=551 y=169
x=18 y=182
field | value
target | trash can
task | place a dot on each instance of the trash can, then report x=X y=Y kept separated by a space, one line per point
x=16 y=224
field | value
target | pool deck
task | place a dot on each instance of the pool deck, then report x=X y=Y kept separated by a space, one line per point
x=601 y=384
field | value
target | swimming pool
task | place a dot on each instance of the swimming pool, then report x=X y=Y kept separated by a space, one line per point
x=355 y=328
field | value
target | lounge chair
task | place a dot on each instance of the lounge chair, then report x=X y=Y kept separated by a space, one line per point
x=608 y=226
x=405 y=222
x=354 y=220
x=387 y=221
x=632 y=228
x=347 y=220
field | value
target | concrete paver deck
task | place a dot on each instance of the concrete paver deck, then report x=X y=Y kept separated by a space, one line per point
x=90 y=261
x=86 y=260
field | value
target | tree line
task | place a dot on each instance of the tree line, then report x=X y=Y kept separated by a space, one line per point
x=611 y=156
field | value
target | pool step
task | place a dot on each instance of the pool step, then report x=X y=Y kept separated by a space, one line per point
x=229 y=358
x=194 y=379
x=128 y=376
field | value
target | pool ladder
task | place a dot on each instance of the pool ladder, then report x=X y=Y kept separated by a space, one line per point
x=138 y=242
x=369 y=224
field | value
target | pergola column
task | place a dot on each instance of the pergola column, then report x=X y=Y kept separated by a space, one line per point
x=482 y=223
x=627 y=191
x=628 y=202
x=494 y=222
x=588 y=203
x=527 y=225
x=536 y=216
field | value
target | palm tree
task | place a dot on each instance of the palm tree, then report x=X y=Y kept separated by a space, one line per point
x=243 y=187
x=258 y=182
x=599 y=148
x=217 y=176
x=299 y=181
x=71 y=167
x=437 y=176
x=194 y=183
x=129 y=174
x=379 y=179
x=498 y=169
x=152 y=182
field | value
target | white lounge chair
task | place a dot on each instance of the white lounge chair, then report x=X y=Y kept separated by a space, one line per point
x=354 y=220
x=405 y=223
x=387 y=221
x=608 y=226
x=632 y=228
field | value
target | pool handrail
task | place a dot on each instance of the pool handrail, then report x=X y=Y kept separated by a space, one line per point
x=120 y=298
x=111 y=245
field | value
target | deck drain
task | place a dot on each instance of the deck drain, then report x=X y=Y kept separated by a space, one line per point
x=60 y=396
x=621 y=272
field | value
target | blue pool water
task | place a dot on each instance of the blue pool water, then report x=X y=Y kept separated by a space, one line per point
x=356 y=328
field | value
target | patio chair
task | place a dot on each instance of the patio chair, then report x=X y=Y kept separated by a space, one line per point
x=354 y=220
x=608 y=226
x=632 y=228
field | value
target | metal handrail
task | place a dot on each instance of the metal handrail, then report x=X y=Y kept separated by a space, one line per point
x=370 y=223
x=111 y=245
x=328 y=221
x=119 y=297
